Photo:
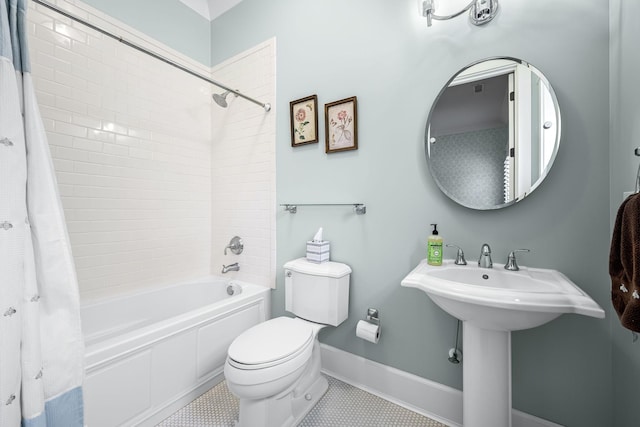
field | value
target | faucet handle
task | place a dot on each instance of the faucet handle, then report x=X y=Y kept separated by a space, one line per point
x=236 y=245
x=512 y=264
x=460 y=256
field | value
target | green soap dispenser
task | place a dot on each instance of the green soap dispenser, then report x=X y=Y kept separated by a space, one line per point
x=434 y=247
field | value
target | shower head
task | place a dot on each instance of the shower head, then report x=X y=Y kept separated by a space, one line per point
x=221 y=98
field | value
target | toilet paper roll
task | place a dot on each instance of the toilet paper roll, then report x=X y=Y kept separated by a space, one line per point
x=368 y=331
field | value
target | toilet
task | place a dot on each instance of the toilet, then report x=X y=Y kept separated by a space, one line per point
x=274 y=367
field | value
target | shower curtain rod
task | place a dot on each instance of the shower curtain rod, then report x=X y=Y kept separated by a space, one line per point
x=266 y=106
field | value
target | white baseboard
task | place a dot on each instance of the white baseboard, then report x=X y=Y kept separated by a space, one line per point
x=434 y=400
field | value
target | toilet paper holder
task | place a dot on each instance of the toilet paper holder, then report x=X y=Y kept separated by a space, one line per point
x=372 y=316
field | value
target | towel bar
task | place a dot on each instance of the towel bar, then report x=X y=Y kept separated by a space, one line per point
x=358 y=208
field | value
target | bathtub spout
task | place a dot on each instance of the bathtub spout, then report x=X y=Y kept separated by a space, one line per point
x=230 y=267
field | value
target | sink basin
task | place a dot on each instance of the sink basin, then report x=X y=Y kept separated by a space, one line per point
x=492 y=302
x=498 y=299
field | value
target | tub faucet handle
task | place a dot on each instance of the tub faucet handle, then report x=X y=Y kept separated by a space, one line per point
x=236 y=245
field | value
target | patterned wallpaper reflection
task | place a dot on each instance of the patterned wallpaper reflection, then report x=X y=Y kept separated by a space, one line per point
x=471 y=165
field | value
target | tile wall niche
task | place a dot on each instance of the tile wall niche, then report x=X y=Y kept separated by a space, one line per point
x=131 y=141
x=243 y=171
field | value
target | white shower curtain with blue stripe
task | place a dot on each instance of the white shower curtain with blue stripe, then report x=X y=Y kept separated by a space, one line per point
x=41 y=347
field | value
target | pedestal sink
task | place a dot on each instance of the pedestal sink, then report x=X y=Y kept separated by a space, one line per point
x=492 y=302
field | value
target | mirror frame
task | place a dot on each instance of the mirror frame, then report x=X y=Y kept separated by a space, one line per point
x=552 y=158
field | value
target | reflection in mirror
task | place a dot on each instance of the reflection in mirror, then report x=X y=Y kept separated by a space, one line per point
x=493 y=133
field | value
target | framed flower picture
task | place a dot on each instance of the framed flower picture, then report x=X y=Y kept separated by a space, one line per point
x=304 y=121
x=341 y=125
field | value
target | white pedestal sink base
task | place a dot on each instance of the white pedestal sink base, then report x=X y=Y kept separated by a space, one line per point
x=491 y=303
x=486 y=392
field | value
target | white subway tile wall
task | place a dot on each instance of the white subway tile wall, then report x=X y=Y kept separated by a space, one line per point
x=244 y=178
x=131 y=139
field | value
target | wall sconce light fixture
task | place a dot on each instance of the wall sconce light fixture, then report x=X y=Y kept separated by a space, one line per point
x=480 y=11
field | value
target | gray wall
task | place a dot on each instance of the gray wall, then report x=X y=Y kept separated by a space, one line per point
x=625 y=136
x=168 y=21
x=383 y=53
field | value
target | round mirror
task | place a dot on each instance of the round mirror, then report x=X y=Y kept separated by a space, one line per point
x=493 y=133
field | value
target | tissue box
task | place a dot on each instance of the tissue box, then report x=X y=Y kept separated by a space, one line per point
x=318 y=251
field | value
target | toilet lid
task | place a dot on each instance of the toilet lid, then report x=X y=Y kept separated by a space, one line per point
x=270 y=341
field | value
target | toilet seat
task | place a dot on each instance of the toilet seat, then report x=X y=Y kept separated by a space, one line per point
x=271 y=343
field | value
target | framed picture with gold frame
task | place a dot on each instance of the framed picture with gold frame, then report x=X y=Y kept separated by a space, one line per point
x=304 y=121
x=341 y=125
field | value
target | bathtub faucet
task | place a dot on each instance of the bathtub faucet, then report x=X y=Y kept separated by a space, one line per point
x=230 y=267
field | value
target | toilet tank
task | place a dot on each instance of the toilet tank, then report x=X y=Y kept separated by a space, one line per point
x=317 y=292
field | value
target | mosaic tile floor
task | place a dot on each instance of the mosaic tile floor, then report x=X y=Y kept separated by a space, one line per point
x=342 y=406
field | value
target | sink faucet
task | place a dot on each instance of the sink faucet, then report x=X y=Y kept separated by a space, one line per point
x=485 y=257
x=230 y=267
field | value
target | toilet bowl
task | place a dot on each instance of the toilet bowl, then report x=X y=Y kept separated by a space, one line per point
x=274 y=367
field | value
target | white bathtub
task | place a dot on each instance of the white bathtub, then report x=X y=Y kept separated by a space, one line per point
x=148 y=354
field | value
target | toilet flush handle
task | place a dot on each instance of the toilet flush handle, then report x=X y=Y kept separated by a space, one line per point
x=288 y=290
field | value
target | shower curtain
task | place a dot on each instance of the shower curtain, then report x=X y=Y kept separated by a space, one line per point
x=41 y=347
